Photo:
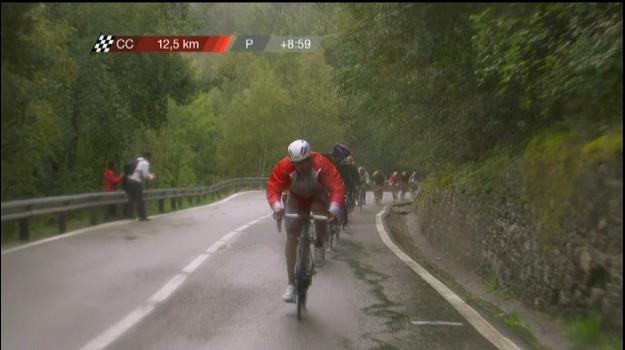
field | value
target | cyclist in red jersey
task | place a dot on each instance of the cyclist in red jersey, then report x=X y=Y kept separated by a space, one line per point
x=314 y=184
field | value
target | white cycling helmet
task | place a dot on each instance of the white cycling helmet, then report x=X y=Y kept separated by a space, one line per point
x=299 y=150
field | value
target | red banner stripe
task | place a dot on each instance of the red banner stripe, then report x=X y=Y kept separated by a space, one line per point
x=147 y=44
x=223 y=44
x=210 y=44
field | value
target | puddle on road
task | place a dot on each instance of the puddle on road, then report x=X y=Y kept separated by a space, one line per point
x=394 y=321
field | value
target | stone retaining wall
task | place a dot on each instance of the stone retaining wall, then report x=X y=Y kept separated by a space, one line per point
x=575 y=271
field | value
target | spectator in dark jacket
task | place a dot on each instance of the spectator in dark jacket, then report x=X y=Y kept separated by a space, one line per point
x=135 y=184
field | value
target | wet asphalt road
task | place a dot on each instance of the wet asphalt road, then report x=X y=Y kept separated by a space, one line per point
x=65 y=293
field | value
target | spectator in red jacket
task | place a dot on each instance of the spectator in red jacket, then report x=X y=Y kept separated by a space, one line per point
x=111 y=181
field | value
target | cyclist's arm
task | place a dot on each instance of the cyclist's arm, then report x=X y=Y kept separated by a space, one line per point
x=278 y=182
x=331 y=179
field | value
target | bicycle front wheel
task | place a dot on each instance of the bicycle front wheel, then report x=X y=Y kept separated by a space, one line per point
x=301 y=301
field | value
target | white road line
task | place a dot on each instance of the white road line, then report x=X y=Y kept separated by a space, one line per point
x=475 y=319
x=134 y=317
x=215 y=247
x=242 y=228
x=109 y=224
x=65 y=235
x=195 y=263
x=168 y=289
x=436 y=323
x=211 y=204
x=229 y=236
x=265 y=217
x=106 y=338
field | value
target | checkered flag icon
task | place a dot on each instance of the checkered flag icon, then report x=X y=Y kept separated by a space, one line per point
x=103 y=44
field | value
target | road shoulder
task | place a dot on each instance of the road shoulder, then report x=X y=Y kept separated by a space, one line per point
x=522 y=324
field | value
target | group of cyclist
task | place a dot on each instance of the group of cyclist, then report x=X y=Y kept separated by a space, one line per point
x=326 y=184
x=401 y=184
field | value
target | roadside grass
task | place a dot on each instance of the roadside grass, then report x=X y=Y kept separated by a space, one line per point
x=587 y=333
x=512 y=320
x=494 y=285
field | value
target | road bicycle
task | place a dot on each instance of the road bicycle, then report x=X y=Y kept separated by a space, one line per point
x=349 y=204
x=378 y=190
x=304 y=263
x=362 y=194
x=334 y=234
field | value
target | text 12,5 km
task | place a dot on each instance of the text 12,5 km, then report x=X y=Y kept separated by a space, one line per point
x=166 y=44
x=175 y=44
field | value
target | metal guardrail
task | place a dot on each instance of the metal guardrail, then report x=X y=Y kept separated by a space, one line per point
x=23 y=210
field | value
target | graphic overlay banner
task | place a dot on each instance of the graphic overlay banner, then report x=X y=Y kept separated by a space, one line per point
x=276 y=43
x=162 y=44
x=205 y=43
x=250 y=43
x=103 y=44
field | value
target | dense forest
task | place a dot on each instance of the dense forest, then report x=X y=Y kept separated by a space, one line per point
x=511 y=114
x=437 y=88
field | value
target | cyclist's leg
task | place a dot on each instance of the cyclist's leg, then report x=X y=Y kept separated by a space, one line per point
x=363 y=195
x=352 y=204
x=352 y=200
x=293 y=228
x=348 y=207
x=320 y=206
x=360 y=197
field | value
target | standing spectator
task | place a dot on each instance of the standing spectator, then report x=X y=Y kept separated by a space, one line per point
x=134 y=186
x=111 y=181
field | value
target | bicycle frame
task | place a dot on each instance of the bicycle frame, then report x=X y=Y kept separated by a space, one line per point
x=378 y=192
x=304 y=266
x=362 y=194
x=334 y=233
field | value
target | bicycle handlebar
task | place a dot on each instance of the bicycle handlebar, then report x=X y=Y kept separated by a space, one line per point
x=316 y=217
